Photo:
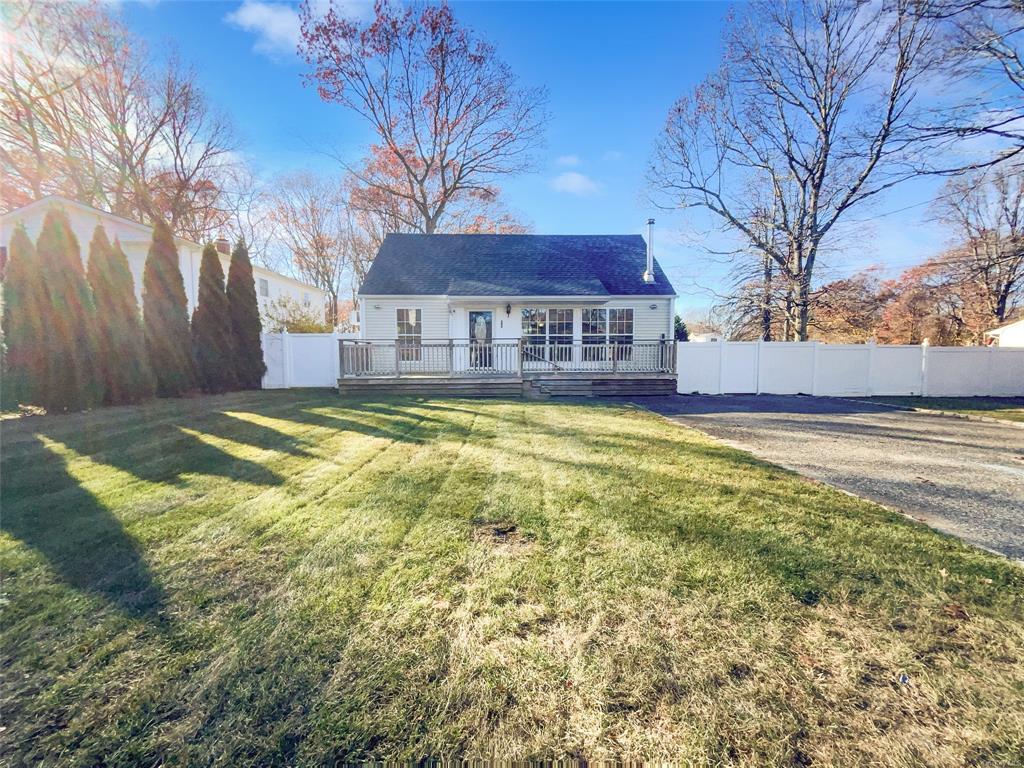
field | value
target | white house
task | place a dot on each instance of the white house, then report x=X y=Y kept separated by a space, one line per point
x=1009 y=335
x=135 y=239
x=581 y=307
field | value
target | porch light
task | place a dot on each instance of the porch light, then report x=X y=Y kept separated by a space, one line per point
x=508 y=310
x=654 y=306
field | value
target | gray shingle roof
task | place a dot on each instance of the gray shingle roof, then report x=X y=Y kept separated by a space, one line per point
x=513 y=265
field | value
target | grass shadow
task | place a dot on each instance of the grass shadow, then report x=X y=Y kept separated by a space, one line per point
x=233 y=427
x=172 y=454
x=381 y=419
x=83 y=542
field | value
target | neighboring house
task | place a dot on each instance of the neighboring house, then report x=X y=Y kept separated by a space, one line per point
x=1009 y=335
x=135 y=239
x=705 y=336
x=581 y=307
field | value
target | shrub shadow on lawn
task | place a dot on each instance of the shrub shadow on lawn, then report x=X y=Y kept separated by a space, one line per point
x=231 y=426
x=174 y=452
x=381 y=420
x=84 y=543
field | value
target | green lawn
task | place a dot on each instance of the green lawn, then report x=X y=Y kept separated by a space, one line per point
x=293 y=578
x=1004 y=408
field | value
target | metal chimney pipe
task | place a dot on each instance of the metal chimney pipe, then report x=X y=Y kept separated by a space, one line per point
x=649 y=274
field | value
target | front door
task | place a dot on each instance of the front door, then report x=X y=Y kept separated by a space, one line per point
x=481 y=352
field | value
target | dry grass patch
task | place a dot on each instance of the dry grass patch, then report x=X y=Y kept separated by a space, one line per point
x=1002 y=408
x=297 y=579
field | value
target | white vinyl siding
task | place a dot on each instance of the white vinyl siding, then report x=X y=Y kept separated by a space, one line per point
x=648 y=324
x=378 y=317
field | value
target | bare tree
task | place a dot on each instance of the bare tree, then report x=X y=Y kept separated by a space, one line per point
x=812 y=105
x=985 y=211
x=248 y=207
x=61 y=71
x=191 y=160
x=82 y=113
x=375 y=211
x=445 y=108
x=312 y=220
x=981 y=43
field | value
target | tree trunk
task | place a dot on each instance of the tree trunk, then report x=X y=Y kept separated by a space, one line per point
x=787 y=331
x=766 y=300
x=803 y=309
x=332 y=308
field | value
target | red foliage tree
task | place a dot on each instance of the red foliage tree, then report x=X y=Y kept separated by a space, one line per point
x=450 y=115
x=931 y=301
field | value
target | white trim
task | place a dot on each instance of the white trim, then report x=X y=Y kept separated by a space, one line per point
x=1001 y=329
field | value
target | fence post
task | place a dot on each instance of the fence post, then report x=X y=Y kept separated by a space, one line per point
x=398 y=359
x=757 y=367
x=286 y=363
x=868 y=388
x=721 y=367
x=989 y=360
x=924 y=368
x=814 y=369
x=520 y=357
x=341 y=358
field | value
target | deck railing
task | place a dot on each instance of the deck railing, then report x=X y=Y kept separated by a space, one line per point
x=502 y=358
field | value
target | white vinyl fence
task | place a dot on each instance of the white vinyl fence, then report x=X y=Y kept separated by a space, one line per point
x=301 y=359
x=811 y=368
x=849 y=370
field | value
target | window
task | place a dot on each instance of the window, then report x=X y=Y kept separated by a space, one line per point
x=535 y=326
x=305 y=299
x=620 y=331
x=543 y=329
x=595 y=332
x=264 y=287
x=409 y=334
x=602 y=327
x=560 y=333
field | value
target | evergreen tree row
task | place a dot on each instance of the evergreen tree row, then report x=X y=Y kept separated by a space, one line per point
x=73 y=339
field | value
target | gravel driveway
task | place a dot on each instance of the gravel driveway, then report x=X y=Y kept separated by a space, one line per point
x=962 y=477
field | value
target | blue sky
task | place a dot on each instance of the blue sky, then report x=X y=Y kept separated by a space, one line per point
x=612 y=70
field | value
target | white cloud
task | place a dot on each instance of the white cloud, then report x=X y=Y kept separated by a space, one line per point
x=575 y=184
x=568 y=160
x=611 y=155
x=277 y=27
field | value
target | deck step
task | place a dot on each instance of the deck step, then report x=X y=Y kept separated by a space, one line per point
x=535 y=387
x=602 y=387
x=424 y=386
